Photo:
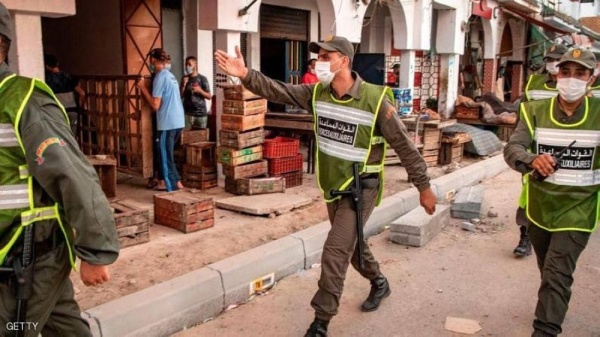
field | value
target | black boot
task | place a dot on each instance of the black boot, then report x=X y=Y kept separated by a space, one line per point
x=524 y=247
x=318 y=328
x=380 y=289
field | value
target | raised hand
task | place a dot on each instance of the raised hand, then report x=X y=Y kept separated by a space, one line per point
x=230 y=65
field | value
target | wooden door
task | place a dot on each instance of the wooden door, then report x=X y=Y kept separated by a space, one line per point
x=142 y=32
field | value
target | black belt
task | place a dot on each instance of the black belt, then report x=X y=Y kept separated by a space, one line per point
x=40 y=249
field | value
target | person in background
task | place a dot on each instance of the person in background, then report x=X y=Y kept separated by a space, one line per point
x=48 y=187
x=67 y=90
x=166 y=101
x=562 y=208
x=393 y=77
x=195 y=90
x=310 y=76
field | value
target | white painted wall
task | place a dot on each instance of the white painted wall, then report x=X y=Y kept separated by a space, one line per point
x=26 y=57
x=47 y=8
x=223 y=15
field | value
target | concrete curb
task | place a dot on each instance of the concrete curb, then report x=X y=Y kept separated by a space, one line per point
x=192 y=298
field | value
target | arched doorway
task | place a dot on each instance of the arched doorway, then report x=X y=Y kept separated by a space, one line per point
x=472 y=61
x=504 y=76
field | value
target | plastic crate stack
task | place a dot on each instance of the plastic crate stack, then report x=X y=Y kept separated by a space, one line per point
x=241 y=136
x=284 y=159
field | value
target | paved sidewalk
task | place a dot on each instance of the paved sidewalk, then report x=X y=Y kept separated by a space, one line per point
x=458 y=274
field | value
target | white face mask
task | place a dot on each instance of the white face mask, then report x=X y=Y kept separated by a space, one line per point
x=596 y=72
x=552 y=67
x=168 y=66
x=571 y=89
x=189 y=70
x=324 y=73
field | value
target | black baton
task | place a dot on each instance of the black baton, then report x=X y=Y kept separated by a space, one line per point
x=355 y=192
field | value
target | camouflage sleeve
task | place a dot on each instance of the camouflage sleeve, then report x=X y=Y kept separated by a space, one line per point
x=516 y=154
x=279 y=92
x=65 y=175
x=396 y=135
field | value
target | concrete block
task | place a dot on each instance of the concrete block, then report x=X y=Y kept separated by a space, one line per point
x=446 y=183
x=467 y=226
x=162 y=309
x=416 y=227
x=282 y=257
x=467 y=203
x=313 y=239
x=94 y=327
x=410 y=198
x=473 y=174
x=390 y=209
x=494 y=166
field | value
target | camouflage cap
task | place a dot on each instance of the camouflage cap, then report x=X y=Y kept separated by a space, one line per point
x=333 y=43
x=5 y=22
x=585 y=57
x=556 y=51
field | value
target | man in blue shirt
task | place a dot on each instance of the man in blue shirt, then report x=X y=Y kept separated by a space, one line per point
x=166 y=101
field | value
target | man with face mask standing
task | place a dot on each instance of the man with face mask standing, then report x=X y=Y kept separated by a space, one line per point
x=561 y=210
x=539 y=86
x=353 y=119
x=195 y=90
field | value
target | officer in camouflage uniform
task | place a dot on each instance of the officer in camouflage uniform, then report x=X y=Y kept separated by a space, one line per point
x=353 y=119
x=47 y=182
x=562 y=211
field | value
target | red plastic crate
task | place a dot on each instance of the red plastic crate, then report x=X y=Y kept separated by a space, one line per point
x=280 y=147
x=292 y=179
x=285 y=165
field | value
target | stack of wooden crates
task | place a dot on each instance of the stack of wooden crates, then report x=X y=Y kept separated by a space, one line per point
x=285 y=159
x=241 y=136
x=200 y=167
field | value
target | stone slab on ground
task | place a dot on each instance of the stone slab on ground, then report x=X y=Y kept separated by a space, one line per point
x=467 y=203
x=462 y=325
x=264 y=204
x=416 y=227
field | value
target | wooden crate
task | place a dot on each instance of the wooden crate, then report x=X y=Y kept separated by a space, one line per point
x=107 y=174
x=133 y=223
x=505 y=131
x=194 y=136
x=200 y=177
x=184 y=211
x=241 y=140
x=237 y=92
x=245 y=108
x=431 y=138
x=201 y=154
x=253 y=186
x=242 y=123
x=292 y=179
x=233 y=157
x=450 y=153
x=246 y=171
x=431 y=156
